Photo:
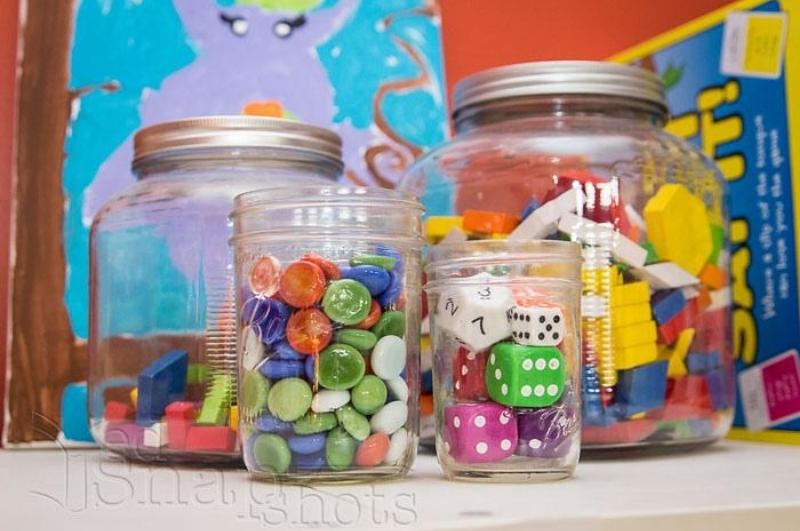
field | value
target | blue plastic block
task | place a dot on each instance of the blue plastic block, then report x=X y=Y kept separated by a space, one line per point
x=720 y=389
x=594 y=413
x=532 y=205
x=703 y=362
x=75 y=413
x=642 y=388
x=427 y=382
x=667 y=304
x=161 y=383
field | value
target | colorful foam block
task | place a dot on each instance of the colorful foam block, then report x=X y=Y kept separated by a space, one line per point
x=156 y=436
x=717 y=239
x=124 y=434
x=629 y=431
x=211 y=439
x=118 y=411
x=667 y=304
x=702 y=362
x=668 y=332
x=180 y=417
x=642 y=389
x=196 y=373
x=160 y=383
x=487 y=222
x=677 y=224
x=635 y=356
x=635 y=334
x=652 y=256
x=713 y=276
x=677 y=355
x=217 y=402
x=545 y=220
x=586 y=231
x=631 y=293
x=665 y=275
x=720 y=388
x=437 y=227
x=631 y=314
x=687 y=397
x=75 y=413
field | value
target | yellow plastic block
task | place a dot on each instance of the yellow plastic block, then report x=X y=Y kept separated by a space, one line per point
x=678 y=226
x=677 y=365
x=631 y=314
x=437 y=227
x=628 y=358
x=631 y=293
x=635 y=334
x=233 y=418
x=134 y=396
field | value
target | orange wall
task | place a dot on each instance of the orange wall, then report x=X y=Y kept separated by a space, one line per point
x=8 y=58
x=479 y=34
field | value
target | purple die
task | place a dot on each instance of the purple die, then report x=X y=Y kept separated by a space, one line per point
x=479 y=432
x=546 y=432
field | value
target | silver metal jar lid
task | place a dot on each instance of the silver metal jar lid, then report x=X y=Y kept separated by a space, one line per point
x=205 y=132
x=550 y=78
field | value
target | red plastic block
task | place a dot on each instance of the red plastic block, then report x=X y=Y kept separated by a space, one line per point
x=180 y=417
x=629 y=431
x=211 y=438
x=118 y=411
x=469 y=369
x=687 y=397
x=668 y=332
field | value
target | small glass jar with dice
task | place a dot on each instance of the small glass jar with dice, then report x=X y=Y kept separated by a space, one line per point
x=506 y=358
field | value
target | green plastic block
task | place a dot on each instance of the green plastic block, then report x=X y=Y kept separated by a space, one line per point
x=525 y=376
x=217 y=402
x=652 y=257
x=196 y=373
x=717 y=237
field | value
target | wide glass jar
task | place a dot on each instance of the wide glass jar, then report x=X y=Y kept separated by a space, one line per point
x=328 y=299
x=576 y=150
x=162 y=342
x=505 y=328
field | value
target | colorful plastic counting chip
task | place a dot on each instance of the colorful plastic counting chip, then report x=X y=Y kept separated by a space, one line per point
x=678 y=226
x=525 y=376
x=264 y=275
x=642 y=389
x=469 y=369
x=302 y=284
x=536 y=325
x=479 y=433
x=476 y=314
x=309 y=331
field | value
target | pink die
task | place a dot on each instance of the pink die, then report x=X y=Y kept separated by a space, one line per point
x=479 y=433
x=469 y=368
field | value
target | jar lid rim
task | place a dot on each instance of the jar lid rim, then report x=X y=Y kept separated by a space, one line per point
x=278 y=196
x=231 y=131
x=447 y=254
x=549 y=78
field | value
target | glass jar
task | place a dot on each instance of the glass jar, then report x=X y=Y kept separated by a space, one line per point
x=506 y=358
x=162 y=353
x=576 y=150
x=328 y=287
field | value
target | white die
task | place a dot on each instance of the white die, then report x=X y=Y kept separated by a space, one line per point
x=476 y=313
x=536 y=325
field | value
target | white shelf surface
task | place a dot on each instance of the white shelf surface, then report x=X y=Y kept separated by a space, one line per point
x=730 y=486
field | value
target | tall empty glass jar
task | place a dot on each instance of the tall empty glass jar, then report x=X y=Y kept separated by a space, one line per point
x=576 y=150
x=328 y=298
x=506 y=358
x=162 y=341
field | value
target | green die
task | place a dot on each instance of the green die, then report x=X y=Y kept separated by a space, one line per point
x=525 y=376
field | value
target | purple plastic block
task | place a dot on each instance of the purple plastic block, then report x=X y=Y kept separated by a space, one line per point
x=667 y=304
x=702 y=362
x=124 y=434
x=642 y=389
x=720 y=388
x=159 y=384
x=546 y=432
